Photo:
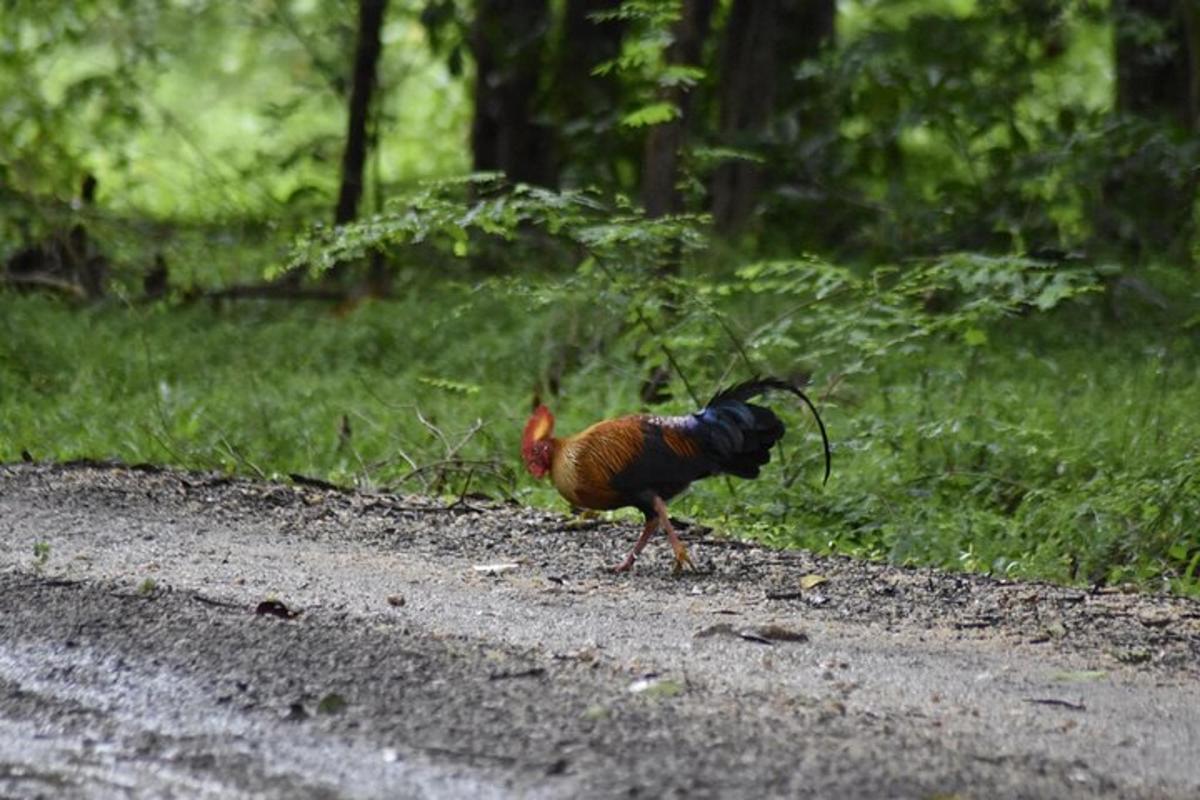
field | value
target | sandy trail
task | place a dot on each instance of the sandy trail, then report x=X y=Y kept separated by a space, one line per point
x=486 y=652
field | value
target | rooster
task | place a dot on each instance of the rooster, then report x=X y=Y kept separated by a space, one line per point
x=643 y=461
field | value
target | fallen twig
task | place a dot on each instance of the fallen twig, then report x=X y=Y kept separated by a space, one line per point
x=317 y=483
x=211 y=601
x=1054 y=701
x=532 y=672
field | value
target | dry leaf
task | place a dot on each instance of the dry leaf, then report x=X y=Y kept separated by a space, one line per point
x=495 y=569
x=775 y=633
x=812 y=581
x=656 y=687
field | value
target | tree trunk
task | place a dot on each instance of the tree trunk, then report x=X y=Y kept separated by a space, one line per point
x=763 y=41
x=1148 y=200
x=1159 y=79
x=507 y=39
x=366 y=62
x=585 y=44
x=660 y=162
x=586 y=106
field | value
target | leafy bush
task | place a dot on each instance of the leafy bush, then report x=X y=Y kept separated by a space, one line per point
x=983 y=414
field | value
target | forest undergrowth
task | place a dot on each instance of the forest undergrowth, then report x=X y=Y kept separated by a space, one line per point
x=1002 y=426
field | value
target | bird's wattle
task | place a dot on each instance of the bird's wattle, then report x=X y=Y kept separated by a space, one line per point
x=540 y=457
x=537 y=442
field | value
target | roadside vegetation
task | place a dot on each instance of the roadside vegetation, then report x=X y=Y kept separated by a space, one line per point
x=1037 y=446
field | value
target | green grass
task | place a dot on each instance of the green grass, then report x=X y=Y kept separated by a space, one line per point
x=1062 y=450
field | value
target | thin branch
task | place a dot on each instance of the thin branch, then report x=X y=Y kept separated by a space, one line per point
x=331 y=74
x=470 y=434
x=435 y=430
x=798 y=307
x=45 y=281
x=270 y=291
x=733 y=337
x=412 y=464
x=655 y=333
x=233 y=451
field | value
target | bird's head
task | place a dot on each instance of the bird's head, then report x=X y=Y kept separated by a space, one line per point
x=537 y=443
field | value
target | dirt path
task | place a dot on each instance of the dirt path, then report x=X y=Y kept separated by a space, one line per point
x=485 y=652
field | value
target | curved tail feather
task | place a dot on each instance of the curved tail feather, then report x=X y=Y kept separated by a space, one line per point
x=743 y=433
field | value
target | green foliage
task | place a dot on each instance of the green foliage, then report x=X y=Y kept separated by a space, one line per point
x=980 y=126
x=207 y=110
x=451 y=217
x=834 y=314
x=653 y=114
x=945 y=386
x=642 y=63
x=643 y=48
x=929 y=127
x=43 y=97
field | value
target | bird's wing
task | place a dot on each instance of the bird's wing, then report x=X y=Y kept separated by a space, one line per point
x=671 y=456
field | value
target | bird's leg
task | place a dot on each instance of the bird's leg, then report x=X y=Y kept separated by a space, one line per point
x=647 y=532
x=683 y=559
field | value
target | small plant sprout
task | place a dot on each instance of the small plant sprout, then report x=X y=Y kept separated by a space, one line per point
x=41 y=554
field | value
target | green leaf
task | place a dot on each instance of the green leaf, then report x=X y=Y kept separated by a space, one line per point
x=332 y=703
x=653 y=114
x=974 y=337
x=448 y=385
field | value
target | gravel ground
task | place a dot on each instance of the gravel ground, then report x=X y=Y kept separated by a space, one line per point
x=170 y=634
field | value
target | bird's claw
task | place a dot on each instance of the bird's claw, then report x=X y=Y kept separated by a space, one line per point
x=583 y=520
x=626 y=565
x=683 y=560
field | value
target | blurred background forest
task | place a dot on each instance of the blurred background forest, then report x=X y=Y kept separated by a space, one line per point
x=348 y=240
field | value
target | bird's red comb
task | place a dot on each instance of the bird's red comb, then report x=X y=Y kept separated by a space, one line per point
x=539 y=426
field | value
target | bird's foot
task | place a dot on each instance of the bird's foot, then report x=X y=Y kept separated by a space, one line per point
x=625 y=565
x=683 y=559
x=584 y=520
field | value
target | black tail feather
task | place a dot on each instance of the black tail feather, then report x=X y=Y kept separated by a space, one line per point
x=753 y=436
x=739 y=435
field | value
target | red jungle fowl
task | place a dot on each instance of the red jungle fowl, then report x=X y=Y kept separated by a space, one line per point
x=643 y=461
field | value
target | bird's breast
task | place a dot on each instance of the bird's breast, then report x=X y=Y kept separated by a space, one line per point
x=564 y=471
x=584 y=465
